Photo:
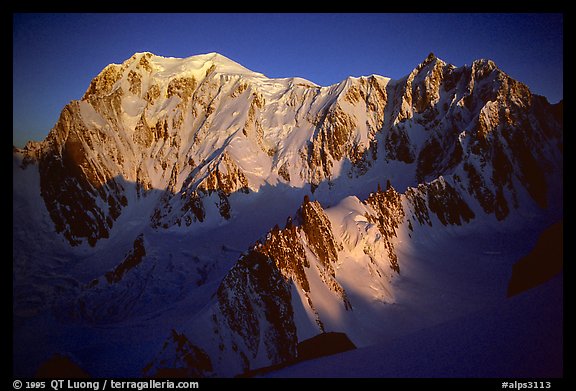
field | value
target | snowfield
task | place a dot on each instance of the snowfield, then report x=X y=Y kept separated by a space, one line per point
x=521 y=337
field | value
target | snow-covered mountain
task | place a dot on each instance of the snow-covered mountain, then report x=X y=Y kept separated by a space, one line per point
x=152 y=213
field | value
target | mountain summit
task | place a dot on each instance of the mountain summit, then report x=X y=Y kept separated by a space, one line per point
x=162 y=192
x=206 y=126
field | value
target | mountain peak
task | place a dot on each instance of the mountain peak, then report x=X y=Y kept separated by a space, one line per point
x=142 y=67
x=485 y=64
x=199 y=62
x=431 y=58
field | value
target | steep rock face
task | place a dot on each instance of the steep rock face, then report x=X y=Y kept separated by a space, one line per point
x=348 y=127
x=297 y=248
x=440 y=198
x=81 y=194
x=254 y=301
x=389 y=214
x=321 y=241
x=285 y=247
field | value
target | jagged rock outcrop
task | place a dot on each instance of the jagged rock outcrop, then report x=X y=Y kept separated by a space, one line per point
x=254 y=301
x=440 y=198
x=179 y=359
x=287 y=248
x=132 y=259
x=389 y=215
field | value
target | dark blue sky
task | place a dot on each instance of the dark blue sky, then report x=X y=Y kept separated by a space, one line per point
x=57 y=55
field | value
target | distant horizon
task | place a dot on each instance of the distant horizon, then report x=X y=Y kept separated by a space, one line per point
x=55 y=56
